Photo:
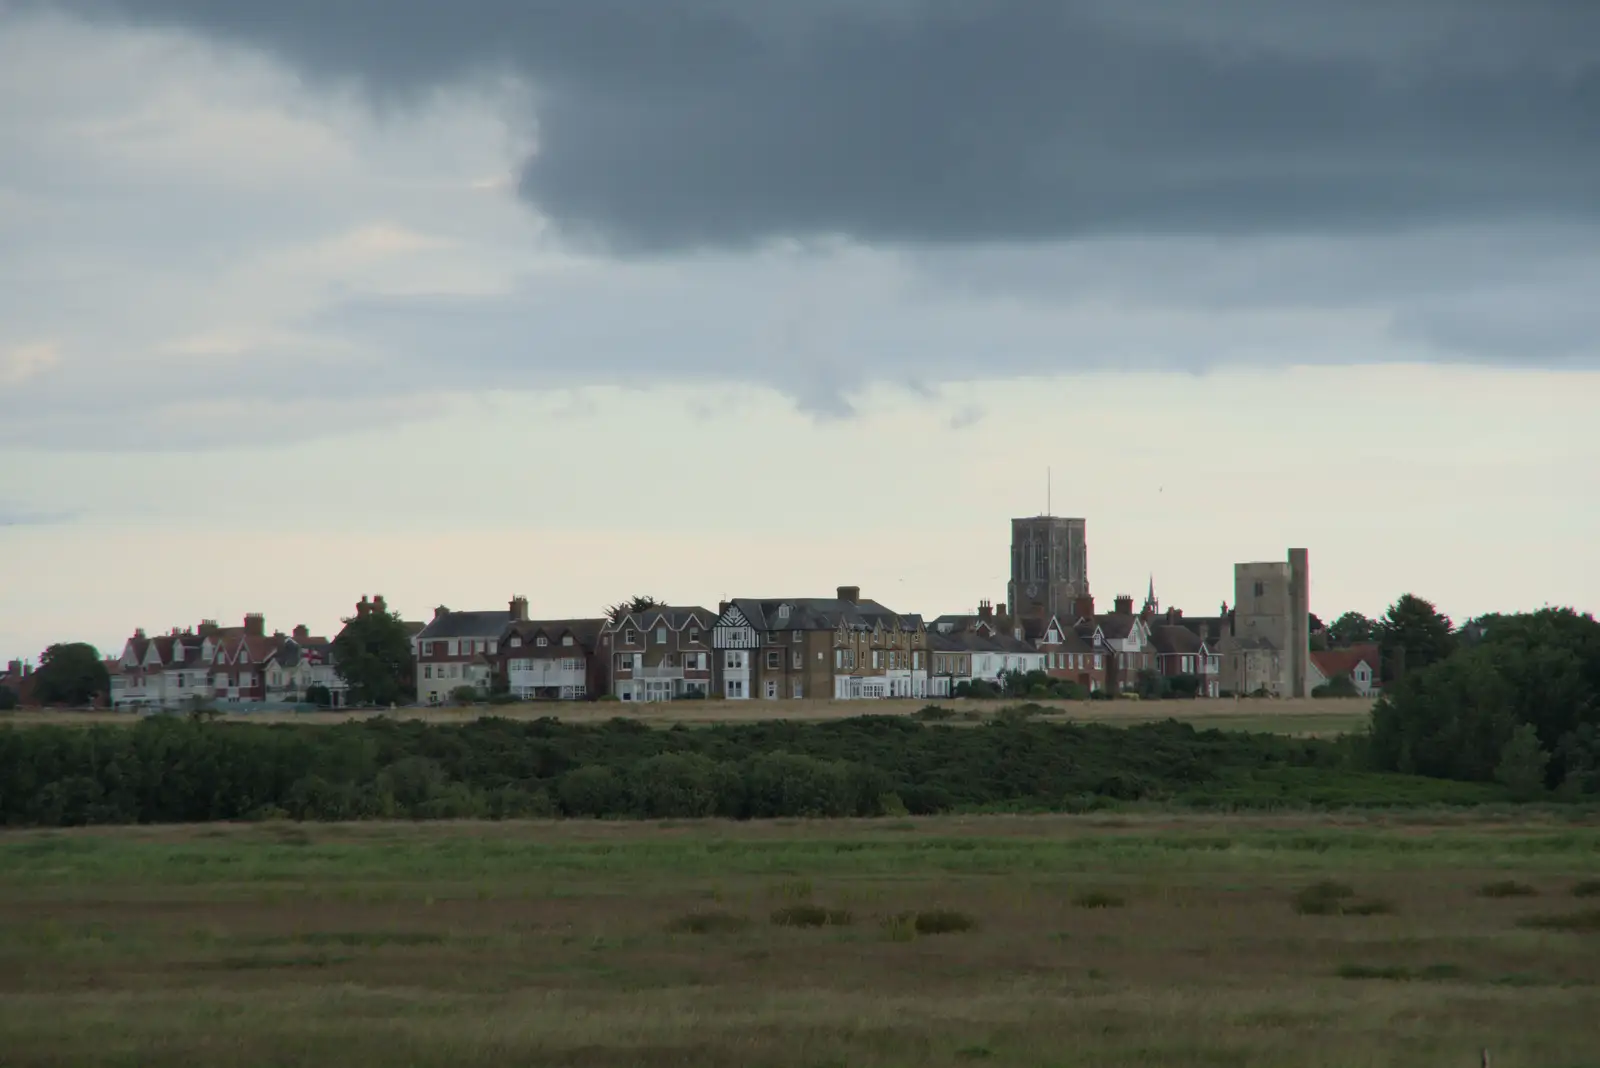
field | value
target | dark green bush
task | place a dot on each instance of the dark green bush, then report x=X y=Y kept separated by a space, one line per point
x=593 y=791
x=709 y=923
x=808 y=915
x=1506 y=888
x=943 y=921
x=1099 y=899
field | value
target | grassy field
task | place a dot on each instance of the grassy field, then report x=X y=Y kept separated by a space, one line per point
x=1303 y=717
x=1148 y=941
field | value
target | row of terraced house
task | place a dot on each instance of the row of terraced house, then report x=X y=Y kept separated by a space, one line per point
x=843 y=647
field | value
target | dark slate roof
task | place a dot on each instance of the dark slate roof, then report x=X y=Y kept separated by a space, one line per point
x=1116 y=625
x=821 y=613
x=1172 y=638
x=466 y=625
x=677 y=617
x=586 y=632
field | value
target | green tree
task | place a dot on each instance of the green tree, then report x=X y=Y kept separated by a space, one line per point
x=1338 y=686
x=373 y=654
x=1522 y=763
x=1415 y=634
x=71 y=674
x=1352 y=628
x=639 y=603
x=8 y=700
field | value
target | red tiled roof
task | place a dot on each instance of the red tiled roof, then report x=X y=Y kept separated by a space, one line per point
x=1334 y=662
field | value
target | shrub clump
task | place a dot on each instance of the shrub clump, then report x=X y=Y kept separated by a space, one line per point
x=1507 y=888
x=943 y=921
x=1099 y=899
x=811 y=916
x=1587 y=888
x=1585 y=922
x=708 y=923
x=1328 y=898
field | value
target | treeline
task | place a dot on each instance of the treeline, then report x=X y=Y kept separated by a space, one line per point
x=171 y=769
x=1515 y=700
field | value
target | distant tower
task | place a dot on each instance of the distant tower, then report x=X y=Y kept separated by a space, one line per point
x=1273 y=601
x=1049 y=566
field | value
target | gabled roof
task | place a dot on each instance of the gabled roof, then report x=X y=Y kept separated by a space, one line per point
x=1171 y=638
x=821 y=613
x=1334 y=662
x=448 y=624
x=675 y=616
x=1117 y=625
x=585 y=632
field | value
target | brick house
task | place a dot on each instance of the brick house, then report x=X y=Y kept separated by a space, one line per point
x=552 y=659
x=199 y=664
x=457 y=649
x=1181 y=651
x=1068 y=655
x=660 y=654
x=840 y=648
x=1125 y=637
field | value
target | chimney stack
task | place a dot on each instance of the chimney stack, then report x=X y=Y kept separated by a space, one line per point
x=379 y=605
x=440 y=612
x=27 y=668
x=362 y=607
x=852 y=594
x=255 y=625
x=519 y=609
x=985 y=610
x=1124 y=604
x=722 y=607
x=138 y=633
x=301 y=632
x=14 y=668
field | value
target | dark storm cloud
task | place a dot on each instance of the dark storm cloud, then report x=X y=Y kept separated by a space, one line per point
x=694 y=123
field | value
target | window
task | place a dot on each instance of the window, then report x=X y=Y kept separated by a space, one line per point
x=1261 y=589
x=838 y=658
x=455 y=671
x=541 y=641
x=877 y=658
x=772 y=689
x=916 y=661
x=733 y=658
x=661 y=635
x=799 y=689
x=773 y=637
x=774 y=659
x=1099 y=661
x=494 y=644
x=624 y=661
x=515 y=642
x=796 y=660
x=628 y=637
x=735 y=687
x=694 y=634
x=796 y=636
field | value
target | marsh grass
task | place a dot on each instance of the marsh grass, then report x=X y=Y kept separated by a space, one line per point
x=1330 y=898
x=1507 y=888
x=1586 y=888
x=608 y=945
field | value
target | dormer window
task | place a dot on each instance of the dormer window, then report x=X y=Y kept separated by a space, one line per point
x=566 y=639
x=516 y=641
x=694 y=634
x=783 y=611
x=661 y=635
x=541 y=641
x=629 y=637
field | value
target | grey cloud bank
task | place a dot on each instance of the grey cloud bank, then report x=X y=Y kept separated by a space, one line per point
x=725 y=123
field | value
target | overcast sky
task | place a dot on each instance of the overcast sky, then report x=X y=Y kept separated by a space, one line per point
x=455 y=301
